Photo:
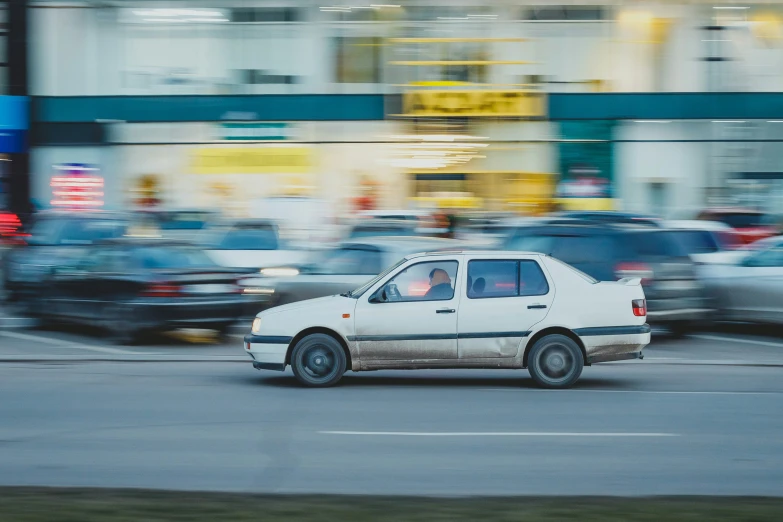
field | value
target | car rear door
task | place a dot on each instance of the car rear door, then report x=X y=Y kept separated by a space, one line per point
x=503 y=299
x=416 y=329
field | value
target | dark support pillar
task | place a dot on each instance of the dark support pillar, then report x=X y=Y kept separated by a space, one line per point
x=17 y=47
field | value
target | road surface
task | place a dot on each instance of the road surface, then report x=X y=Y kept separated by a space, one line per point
x=697 y=416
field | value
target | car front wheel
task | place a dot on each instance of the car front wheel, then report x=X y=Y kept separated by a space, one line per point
x=318 y=360
x=555 y=362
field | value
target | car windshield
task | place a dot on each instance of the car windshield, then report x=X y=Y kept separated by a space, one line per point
x=183 y=220
x=697 y=241
x=76 y=231
x=249 y=238
x=350 y=261
x=655 y=244
x=171 y=257
x=740 y=219
x=366 y=286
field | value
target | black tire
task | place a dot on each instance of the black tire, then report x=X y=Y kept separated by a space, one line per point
x=555 y=361
x=223 y=329
x=318 y=361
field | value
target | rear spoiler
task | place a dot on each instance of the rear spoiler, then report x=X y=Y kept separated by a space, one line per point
x=630 y=281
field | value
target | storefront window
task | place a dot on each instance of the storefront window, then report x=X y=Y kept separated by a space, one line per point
x=358 y=59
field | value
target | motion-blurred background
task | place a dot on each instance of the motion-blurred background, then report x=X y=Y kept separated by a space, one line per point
x=284 y=147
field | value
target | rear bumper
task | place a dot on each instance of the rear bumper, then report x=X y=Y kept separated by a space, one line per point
x=183 y=314
x=615 y=357
x=605 y=344
x=678 y=309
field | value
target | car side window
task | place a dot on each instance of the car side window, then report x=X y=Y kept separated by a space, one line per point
x=427 y=281
x=492 y=278
x=505 y=278
x=532 y=280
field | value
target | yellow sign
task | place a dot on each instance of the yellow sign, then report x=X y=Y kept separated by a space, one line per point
x=515 y=104
x=252 y=160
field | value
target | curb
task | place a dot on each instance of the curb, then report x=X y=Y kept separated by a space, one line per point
x=124 y=358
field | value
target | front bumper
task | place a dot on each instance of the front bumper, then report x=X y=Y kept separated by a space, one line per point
x=268 y=352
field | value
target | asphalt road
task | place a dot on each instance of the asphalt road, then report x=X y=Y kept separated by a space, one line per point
x=697 y=416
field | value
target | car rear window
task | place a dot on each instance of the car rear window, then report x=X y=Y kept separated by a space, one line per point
x=654 y=244
x=167 y=257
x=250 y=238
x=351 y=261
x=377 y=231
x=697 y=241
x=88 y=231
x=570 y=248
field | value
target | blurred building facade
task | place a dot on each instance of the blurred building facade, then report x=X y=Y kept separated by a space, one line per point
x=663 y=107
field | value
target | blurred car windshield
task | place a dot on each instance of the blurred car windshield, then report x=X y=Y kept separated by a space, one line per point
x=740 y=219
x=697 y=241
x=351 y=261
x=183 y=220
x=655 y=244
x=169 y=257
x=375 y=231
x=249 y=238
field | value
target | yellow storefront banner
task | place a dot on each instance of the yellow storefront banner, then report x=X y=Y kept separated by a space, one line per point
x=458 y=103
x=252 y=160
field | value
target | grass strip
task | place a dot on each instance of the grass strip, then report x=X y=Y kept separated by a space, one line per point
x=23 y=504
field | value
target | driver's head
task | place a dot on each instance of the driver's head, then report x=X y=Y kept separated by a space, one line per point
x=439 y=276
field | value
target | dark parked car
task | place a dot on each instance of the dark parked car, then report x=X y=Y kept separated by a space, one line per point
x=54 y=238
x=130 y=286
x=675 y=298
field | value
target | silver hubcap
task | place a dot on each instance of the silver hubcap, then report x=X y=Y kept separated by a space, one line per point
x=556 y=363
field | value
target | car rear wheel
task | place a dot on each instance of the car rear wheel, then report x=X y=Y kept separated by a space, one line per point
x=318 y=360
x=555 y=362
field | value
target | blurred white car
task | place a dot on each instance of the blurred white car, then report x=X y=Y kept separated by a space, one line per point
x=458 y=309
x=253 y=243
x=750 y=290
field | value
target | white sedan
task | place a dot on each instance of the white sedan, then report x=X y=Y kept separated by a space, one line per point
x=458 y=310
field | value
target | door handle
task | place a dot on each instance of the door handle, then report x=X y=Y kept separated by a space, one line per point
x=531 y=307
x=445 y=311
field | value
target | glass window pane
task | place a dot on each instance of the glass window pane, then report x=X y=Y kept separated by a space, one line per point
x=492 y=279
x=531 y=279
x=431 y=281
x=351 y=261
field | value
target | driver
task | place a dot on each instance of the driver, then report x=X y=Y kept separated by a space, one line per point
x=440 y=285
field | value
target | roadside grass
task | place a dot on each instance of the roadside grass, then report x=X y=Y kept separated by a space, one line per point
x=22 y=504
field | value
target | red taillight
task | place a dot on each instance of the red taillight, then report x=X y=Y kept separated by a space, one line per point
x=640 y=270
x=162 y=290
x=639 y=307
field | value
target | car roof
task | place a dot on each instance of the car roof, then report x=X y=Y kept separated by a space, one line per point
x=492 y=253
x=697 y=224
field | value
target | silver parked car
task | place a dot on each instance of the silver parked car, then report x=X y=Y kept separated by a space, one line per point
x=339 y=270
x=750 y=290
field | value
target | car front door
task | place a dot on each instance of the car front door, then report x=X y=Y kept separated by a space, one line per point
x=412 y=319
x=503 y=299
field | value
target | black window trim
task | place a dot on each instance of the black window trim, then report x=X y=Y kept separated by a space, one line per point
x=519 y=273
x=392 y=276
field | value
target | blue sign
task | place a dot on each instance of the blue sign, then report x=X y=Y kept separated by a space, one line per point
x=13 y=123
